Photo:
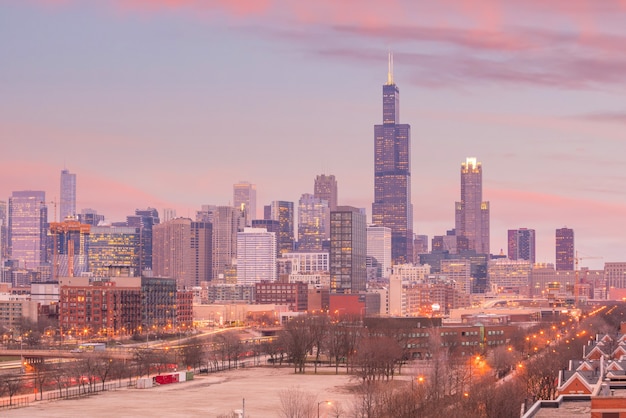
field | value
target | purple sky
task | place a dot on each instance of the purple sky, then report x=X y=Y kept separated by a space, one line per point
x=167 y=103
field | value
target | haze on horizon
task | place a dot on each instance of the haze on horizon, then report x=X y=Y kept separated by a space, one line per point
x=168 y=103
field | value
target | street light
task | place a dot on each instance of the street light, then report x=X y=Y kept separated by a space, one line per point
x=318 y=406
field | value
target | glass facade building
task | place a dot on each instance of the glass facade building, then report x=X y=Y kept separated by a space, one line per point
x=67 y=205
x=313 y=223
x=564 y=249
x=244 y=198
x=348 y=250
x=69 y=248
x=27 y=232
x=521 y=244
x=283 y=212
x=392 y=205
x=113 y=246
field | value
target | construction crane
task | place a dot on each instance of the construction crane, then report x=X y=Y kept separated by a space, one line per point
x=577 y=284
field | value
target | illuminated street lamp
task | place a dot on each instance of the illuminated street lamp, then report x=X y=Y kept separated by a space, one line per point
x=318 y=406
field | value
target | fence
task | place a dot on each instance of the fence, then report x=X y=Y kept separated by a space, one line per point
x=84 y=390
x=17 y=402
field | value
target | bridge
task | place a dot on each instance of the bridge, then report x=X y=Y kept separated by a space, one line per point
x=36 y=354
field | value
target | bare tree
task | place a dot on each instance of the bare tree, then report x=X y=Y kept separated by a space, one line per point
x=12 y=384
x=297 y=340
x=192 y=355
x=295 y=403
x=41 y=373
x=103 y=366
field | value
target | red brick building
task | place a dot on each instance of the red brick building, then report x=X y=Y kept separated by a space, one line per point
x=295 y=295
x=102 y=308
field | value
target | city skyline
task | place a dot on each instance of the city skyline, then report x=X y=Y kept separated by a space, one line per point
x=168 y=104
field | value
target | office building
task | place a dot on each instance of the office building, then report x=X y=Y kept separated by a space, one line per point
x=392 y=205
x=256 y=256
x=145 y=220
x=460 y=272
x=471 y=212
x=325 y=188
x=282 y=212
x=244 y=199
x=28 y=222
x=117 y=246
x=564 y=249
x=90 y=217
x=158 y=304
x=348 y=250
x=168 y=214
x=615 y=275
x=307 y=263
x=4 y=241
x=67 y=205
x=226 y=221
x=313 y=223
x=379 y=249
x=70 y=248
x=521 y=244
x=182 y=250
x=510 y=276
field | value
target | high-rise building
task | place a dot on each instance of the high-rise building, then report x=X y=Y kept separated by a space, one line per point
x=521 y=243
x=348 y=250
x=182 y=250
x=269 y=225
x=168 y=214
x=67 y=205
x=4 y=241
x=244 y=199
x=256 y=256
x=392 y=205
x=114 y=246
x=226 y=221
x=313 y=223
x=564 y=249
x=379 y=249
x=325 y=187
x=28 y=221
x=91 y=217
x=282 y=212
x=472 y=213
x=70 y=248
x=145 y=220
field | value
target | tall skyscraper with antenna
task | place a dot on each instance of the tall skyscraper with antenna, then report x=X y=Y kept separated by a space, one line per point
x=392 y=205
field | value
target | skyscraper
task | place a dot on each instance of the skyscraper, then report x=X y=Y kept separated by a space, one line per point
x=256 y=256
x=471 y=213
x=379 y=248
x=4 y=242
x=70 y=248
x=564 y=249
x=313 y=223
x=145 y=220
x=392 y=205
x=226 y=221
x=282 y=212
x=244 y=198
x=182 y=250
x=28 y=219
x=521 y=243
x=348 y=250
x=325 y=187
x=67 y=206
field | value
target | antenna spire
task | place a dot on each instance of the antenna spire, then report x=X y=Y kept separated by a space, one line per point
x=390 y=70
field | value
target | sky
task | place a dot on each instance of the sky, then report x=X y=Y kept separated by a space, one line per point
x=168 y=103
